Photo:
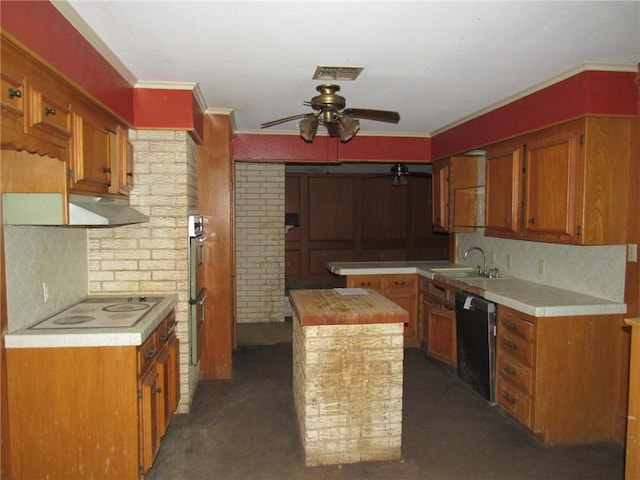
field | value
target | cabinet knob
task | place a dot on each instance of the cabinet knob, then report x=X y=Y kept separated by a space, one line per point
x=511 y=345
x=509 y=398
x=49 y=111
x=157 y=390
x=532 y=221
x=163 y=337
x=14 y=93
x=151 y=354
x=106 y=170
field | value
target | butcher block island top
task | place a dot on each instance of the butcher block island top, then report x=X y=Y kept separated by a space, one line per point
x=347 y=375
x=345 y=306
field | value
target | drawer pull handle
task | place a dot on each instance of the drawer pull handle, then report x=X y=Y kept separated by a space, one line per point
x=151 y=354
x=511 y=371
x=511 y=345
x=49 y=111
x=173 y=323
x=157 y=390
x=14 y=93
x=510 y=325
x=164 y=337
x=509 y=399
x=106 y=170
x=399 y=283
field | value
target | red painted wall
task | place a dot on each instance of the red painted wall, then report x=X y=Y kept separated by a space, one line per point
x=43 y=29
x=291 y=148
x=46 y=32
x=592 y=92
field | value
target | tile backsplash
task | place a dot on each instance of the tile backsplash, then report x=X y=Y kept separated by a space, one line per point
x=55 y=256
x=592 y=270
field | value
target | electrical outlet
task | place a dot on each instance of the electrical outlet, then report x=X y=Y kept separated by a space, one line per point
x=45 y=292
x=508 y=261
x=540 y=267
x=492 y=258
x=632 y=252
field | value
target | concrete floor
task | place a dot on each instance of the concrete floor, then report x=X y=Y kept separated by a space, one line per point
x=245 y=428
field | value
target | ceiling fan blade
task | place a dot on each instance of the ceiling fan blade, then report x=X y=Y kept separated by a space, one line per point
x=282 y=120
x=377 y=115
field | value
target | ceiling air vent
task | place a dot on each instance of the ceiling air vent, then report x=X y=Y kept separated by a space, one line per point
x=337 y=73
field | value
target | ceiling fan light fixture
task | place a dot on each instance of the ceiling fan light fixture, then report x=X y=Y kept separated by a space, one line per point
x=399 y=181
x=348 y=127
x=309 y=127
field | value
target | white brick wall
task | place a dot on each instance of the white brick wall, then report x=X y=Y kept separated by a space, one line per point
x=152 y=257
x=259 y=235
x=347 y=391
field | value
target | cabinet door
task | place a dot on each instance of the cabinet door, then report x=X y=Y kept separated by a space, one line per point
x=122 y=167
x=553 y=186
x=149 y=434
x=440 y=193
x=441 y=326
x=405 y=299
x=503 y=190
x=173 y=379
x=94 y=151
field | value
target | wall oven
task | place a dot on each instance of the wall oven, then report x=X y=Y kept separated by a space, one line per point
x=197 y=290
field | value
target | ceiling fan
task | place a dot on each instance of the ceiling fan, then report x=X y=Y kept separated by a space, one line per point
x=331 y=112
x=399 y=173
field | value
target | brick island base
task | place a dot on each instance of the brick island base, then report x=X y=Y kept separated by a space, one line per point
x=347 y=376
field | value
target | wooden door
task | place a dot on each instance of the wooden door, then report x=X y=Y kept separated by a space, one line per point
x=504 y=190
x=553 y=186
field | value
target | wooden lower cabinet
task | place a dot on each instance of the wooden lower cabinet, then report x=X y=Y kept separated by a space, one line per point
x=559 y=376
x=91 y=412
x=439 y=321
x=402 y=289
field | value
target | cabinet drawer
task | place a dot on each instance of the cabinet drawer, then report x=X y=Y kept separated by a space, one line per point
x=147 y=352
x=166 y=327
x=11 y=96
x=516 y=373
x=365 y=281
x=515 y=347
x=508 y=322
x=404 y=282
x=516 y=402
x=440 y=292
x=48 y=115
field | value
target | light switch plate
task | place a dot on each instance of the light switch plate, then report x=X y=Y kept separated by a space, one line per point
x=632 y=252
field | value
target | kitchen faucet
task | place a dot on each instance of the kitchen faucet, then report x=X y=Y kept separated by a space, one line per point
x=482 y=272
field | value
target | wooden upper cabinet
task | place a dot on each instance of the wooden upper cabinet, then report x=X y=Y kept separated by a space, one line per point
x=503 y=194
x=440 y=193
x=35 y=106
x=95 y=149
x=554 y=168
x=44 y=114
x=454 y=198
x=574 y=186
x=122 y=166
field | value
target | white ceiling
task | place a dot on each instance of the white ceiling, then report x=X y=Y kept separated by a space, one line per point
x=436 y=63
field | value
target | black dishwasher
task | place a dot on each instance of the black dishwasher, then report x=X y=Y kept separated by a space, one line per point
x=476 y=343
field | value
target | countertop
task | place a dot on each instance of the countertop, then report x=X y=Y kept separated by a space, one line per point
x=94 y=337
x=345 y=306
x=521 y=295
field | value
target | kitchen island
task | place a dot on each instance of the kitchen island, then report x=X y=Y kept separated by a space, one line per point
x=347 y=375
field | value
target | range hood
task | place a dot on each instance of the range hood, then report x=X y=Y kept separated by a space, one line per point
x=84 y=210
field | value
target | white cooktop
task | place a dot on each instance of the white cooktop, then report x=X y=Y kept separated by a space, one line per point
x=124 y=324
x=114 y=312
